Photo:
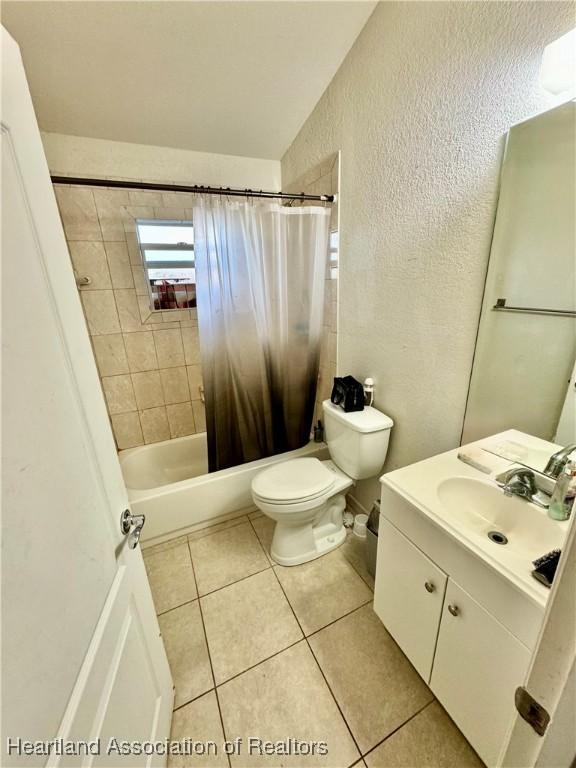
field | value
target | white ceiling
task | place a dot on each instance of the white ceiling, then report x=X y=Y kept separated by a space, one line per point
x=231 y=77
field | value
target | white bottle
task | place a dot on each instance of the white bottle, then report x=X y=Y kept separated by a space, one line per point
x=368 y=391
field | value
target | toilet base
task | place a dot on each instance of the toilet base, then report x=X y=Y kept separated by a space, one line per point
x=297 y=544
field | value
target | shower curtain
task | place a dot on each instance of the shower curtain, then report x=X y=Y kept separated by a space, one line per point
x=260 y=272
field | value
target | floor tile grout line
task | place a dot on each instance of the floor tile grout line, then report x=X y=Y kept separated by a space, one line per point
x=351 y=564
x=256 y=573
x=273 y=565
x=231 y=584
x=235 y=523
x=209 y=654
x=175 y=607
x=201 y=613
x=335 y=700
x=187 y=537
x=335 y=621
x=268 y=557
x=289 y=603
x=167 y=545
x=371 y=600
x=257 y=664
x=379 y=744
x=300 y=639
x=259 y=542
x=304 y=637
x=243 y=578
x=276 y=653
x=193 y=699
x=320 y=668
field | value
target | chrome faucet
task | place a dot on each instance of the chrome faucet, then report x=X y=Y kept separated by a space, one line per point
x=558 y=461
x=521 y=482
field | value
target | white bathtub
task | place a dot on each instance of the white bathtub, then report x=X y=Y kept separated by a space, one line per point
x=170 y=484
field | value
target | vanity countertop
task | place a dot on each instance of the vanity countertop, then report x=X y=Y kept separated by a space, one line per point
x=465 y=503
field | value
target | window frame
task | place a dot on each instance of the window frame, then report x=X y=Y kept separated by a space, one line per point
x=155 y=246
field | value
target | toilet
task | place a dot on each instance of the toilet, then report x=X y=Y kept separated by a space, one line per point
x=306 y=497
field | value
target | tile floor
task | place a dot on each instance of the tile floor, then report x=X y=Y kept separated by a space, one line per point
x=260 y=650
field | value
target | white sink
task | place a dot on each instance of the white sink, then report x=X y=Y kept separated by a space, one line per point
x=445 y=494
x=480 y=508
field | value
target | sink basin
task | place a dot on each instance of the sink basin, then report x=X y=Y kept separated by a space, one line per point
x=479 y=508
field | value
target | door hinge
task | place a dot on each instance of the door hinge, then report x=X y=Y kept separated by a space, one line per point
x=531 y=711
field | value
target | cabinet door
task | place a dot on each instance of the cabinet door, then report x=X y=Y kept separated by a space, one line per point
x=408 y=596
x=477 y=667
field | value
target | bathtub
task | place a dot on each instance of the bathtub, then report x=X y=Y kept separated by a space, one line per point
x=170 y=484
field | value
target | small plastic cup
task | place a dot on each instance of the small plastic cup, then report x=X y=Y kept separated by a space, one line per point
x=360 y=526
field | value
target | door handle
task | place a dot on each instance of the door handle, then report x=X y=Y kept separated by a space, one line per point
x=430 y=586
x=131 y=526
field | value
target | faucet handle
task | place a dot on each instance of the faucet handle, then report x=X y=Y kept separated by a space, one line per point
x=520 y=482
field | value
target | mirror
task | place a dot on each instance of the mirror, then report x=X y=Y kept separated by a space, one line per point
x=167 y=249
x=523 y=371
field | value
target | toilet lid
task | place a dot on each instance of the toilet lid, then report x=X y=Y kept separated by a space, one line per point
x=293 y=480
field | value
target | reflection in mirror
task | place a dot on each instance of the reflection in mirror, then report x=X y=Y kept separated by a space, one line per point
x=167 y=249
x=523 y=372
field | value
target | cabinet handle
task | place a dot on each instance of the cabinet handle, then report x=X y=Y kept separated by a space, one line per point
x=454 y=610
x=430 y=587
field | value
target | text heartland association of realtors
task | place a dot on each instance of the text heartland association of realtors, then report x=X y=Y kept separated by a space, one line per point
x=252 y=745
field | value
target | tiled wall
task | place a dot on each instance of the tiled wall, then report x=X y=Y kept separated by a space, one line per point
x=149 y=362
x=323 y=179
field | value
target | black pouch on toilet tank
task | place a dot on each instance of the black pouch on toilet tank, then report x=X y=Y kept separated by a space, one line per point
x=348 y=393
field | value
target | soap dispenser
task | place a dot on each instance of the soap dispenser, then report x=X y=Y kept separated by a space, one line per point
x=562 y=499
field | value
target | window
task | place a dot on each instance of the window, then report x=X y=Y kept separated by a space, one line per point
x=167 y=249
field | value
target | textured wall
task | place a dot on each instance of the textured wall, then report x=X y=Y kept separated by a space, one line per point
x=77 y=155
x=419 y=108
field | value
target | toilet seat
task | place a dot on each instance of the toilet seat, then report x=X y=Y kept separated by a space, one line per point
x=293 y=482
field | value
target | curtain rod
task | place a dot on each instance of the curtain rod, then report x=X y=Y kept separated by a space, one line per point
x=199 y=189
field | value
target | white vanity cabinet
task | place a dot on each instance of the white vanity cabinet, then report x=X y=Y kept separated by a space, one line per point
x=470 y=660
x=477 y=667
x=408 y=596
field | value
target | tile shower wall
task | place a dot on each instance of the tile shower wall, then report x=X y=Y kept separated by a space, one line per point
x=149 y=362
x=323 y=179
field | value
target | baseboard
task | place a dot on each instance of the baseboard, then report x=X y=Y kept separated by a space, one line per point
x=354 y=506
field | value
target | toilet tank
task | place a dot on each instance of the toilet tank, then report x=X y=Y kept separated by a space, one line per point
x=357 y=441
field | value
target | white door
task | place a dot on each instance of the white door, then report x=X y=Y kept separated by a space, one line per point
x=82 y=656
